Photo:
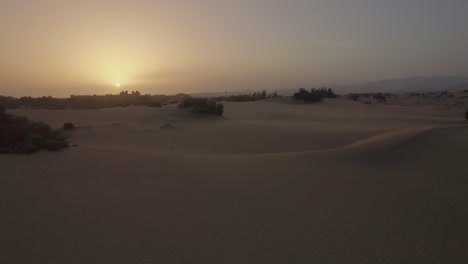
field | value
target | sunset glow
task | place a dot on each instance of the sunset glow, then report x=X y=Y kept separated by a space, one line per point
x=53 y=47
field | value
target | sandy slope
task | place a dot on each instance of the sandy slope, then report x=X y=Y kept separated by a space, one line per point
x=272 y=182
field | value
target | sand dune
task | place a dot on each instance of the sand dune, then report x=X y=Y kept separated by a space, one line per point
x=272 y=182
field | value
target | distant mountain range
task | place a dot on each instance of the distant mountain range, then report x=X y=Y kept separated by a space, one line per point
x=411 y=84
x=403 y=85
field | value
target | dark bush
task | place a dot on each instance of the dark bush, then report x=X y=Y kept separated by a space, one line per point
x=466 y=115
x=380 y=97
x=353 y=97
x=315 y=95
x=202 y=106
x=244 y=97
x=154 y=104
x=219 y=109
x=68 y=126
x=19 y=135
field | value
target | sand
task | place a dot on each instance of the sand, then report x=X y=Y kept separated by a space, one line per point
x=272 y=182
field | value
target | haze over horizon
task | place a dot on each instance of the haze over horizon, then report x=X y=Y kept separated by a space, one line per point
x=66 y=47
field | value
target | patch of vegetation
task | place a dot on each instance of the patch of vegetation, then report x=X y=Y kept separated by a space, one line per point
x=154 y=104
x=68 y=126
x=20 y=135
x=353 y=97
x=315 y=95
x=247 y=97
x=466 y=115
x=203 y=106
x=380 y=97
x=123 y=99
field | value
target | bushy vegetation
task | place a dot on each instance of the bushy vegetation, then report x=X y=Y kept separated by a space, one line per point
x=68 y=126
x=315 y=95
x=379 y=97
x=203 y=106
x=155 y=104
x=123 y=99
x=20 y=135
x=247 y=97
x=353 y=97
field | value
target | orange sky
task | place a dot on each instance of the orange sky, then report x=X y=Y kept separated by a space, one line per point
x=84 y=47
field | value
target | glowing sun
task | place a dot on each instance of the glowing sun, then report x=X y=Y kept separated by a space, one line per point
x=117 y=85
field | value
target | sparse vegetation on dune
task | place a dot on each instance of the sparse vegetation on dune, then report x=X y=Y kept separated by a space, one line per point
x=155 y=104
x=379 y=97
x=247 y=97
x=314 y=95
x=203 y=106
x=124 y=99
x=68 y=126
x=20 y=135
x=353 y=97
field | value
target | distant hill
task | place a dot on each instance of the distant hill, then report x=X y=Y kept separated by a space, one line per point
x=411 y=84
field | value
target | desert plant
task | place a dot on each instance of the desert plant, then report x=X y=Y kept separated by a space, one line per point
x=19 y=135
x=315 y=95
x=353 y=97
x=380 y=97
x=68 y=126
x=154 y=104
x=202 y=106
x=219 y=109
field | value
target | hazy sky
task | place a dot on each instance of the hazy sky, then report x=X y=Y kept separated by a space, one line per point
x=84 y=47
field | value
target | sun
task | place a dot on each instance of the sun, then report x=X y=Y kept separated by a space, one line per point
x=117 y=85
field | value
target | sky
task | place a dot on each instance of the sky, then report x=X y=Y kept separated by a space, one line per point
x=64 y=47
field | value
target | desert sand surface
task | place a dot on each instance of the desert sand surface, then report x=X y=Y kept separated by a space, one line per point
x=271 y=182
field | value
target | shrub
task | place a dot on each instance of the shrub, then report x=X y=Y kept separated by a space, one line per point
x=19 y=135
x=154 y=104
x=353 y=97
x=380 y=97
x=202 y=106
x=219 y=109
x=68 y=126
x=466 y=115
x=315 y=95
